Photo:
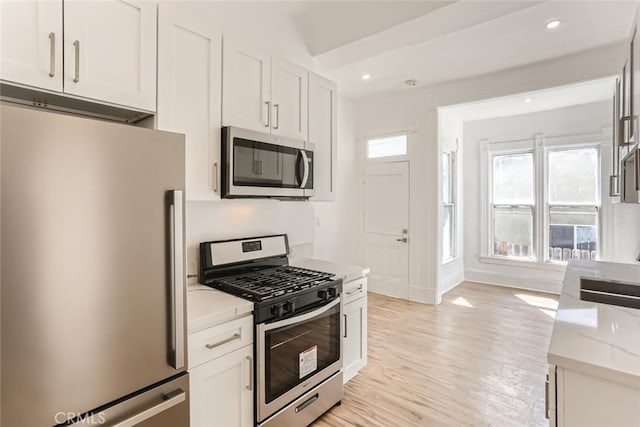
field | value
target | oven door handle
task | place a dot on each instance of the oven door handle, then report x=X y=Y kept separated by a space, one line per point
x=302 y=317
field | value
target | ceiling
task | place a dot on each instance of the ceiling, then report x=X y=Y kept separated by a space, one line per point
x=560 y=97
x=434 y=42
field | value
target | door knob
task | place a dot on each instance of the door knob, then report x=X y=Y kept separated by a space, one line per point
x=403 y=240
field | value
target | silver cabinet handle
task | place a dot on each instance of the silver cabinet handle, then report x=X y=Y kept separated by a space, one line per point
x=250 y=386
x=637 y=164
x=305 y=160
x=172 y=399
x=268 y=114
x=52 y=54
x=277 y=108
x=403 y=240
x=355 y=291
x=177 y=278
x=76 y=45
x=235 y=337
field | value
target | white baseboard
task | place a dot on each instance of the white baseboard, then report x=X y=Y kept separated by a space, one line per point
x=517 y=282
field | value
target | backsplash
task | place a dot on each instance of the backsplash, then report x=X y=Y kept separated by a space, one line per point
x=228 y=219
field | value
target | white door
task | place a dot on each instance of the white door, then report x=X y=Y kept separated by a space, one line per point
x=110 y=51
x=31 y=43
x=246 y=87
x=189 y=91
x=386 y=228
x=222 y=391
x=289 y=100
x=323 y=134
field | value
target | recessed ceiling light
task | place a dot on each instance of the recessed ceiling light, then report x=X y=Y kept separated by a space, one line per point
x=366 y=76
x=528 y=100
x=552 y=24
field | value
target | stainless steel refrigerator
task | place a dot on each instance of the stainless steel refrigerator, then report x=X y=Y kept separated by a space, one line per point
x=92 y=272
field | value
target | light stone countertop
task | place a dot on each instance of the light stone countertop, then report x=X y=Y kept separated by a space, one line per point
x=597 y=339
x=208 y=307
x=346 y=272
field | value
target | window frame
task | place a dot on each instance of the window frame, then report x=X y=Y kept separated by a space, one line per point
x=540 y=146
x=452 y=204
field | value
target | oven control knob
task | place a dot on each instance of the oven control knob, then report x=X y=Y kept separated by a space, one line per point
x=277 y=310
x=289 y=306
x=323 y=294
x=332 y=292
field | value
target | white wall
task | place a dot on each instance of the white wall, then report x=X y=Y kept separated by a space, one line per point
x=338 y=231
x=583 y=119
x=417 y=110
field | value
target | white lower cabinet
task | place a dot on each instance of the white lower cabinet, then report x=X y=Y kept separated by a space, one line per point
x=578 y=399
x=221 y=374
x=222 y=391
x=355 y=327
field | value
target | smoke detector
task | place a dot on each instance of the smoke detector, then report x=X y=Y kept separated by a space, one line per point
x=410 y=83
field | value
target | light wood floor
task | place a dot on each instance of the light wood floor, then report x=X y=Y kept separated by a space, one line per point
x=478 y=359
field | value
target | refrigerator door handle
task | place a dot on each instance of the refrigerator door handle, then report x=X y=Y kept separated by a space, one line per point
x=177 y=278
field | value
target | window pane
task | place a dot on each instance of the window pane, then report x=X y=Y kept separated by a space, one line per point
x=390 y=146
x=513 y=231
x=513 y=179
x=573 y=176
x=448 y=245
x=446 y=178
x=573 y=233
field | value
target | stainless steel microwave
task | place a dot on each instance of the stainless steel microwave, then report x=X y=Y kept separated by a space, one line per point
x=256 y=164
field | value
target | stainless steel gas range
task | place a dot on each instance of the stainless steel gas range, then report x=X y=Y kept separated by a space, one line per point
x=298 y=323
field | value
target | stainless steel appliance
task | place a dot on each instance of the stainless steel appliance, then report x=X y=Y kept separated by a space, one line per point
x=93 y=296
x=256 y=164
x=298 y=317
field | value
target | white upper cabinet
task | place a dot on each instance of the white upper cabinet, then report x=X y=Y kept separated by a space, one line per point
x=289 y=99
x=189 y=93
x=323 y=133
x=263 y=93
x=246 y=87
x=31 y=43
x=110 y=51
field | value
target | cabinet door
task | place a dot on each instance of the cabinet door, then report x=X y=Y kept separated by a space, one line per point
x=246 y=81
x=110 y=51
x=289 y=100
x=222 y=391
x=323 y=134
x=189 y=93
x=31 y=43
x=355 y=337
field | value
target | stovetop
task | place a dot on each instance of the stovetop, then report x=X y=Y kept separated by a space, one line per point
x=269 y=283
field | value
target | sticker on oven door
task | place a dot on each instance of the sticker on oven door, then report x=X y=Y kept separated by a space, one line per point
x=308 y=361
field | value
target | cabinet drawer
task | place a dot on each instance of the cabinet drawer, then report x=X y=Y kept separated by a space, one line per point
x=354 y=289
x=221 y=339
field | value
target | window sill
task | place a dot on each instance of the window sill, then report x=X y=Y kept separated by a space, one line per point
x=512 y=262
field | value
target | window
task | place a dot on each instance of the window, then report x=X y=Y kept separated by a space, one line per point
x=573 y=204
x=544 y=203
x=448 y=206
x=513 y=205
x=387 y=147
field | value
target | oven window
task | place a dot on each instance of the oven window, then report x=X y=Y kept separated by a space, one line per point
x=296 y=352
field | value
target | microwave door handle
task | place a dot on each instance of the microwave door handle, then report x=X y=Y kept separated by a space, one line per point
x=298 y=173
x=305 y=176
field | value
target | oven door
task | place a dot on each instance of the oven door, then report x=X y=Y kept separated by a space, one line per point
x=296 y=354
